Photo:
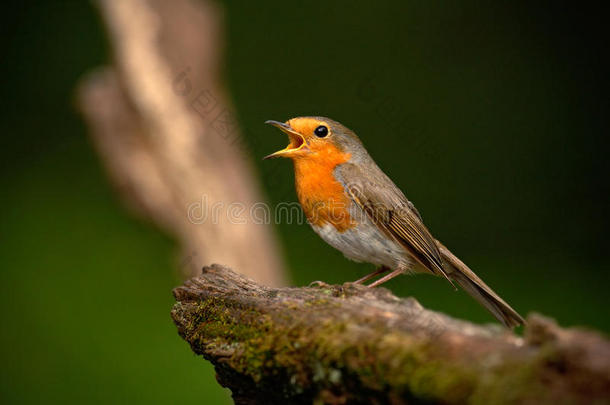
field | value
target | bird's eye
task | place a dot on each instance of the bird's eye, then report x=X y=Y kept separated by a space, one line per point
x=321 y=131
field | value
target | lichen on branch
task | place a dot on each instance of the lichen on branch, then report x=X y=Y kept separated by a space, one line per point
x=351 y=344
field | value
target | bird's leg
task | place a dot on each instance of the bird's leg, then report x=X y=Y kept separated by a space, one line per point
x=381 y=270
x=385 y=278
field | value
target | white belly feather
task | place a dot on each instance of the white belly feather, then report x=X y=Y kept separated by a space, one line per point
x=366 y=243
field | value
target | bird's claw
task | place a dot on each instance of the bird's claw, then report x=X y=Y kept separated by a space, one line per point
x=318 y=283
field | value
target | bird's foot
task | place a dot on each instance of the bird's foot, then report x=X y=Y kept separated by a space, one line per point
x=318 y=283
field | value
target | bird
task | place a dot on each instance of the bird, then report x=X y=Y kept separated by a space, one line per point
x=357 y=209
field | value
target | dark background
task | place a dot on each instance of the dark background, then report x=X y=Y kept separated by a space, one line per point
x=490 y=116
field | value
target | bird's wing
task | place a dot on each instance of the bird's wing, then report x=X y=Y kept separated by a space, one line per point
x=392 y=212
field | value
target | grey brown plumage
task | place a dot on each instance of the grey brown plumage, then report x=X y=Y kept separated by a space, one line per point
x=390 y=209
x=478 y=290
x=386 y=229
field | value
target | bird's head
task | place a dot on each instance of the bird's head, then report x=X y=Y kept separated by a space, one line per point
x=312 y=137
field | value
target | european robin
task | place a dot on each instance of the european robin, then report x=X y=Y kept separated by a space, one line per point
x=358 y=210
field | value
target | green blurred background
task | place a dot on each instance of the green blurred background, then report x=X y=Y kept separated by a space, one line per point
x=490 y=116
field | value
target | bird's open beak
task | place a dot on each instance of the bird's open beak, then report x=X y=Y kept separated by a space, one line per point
x=297 y=141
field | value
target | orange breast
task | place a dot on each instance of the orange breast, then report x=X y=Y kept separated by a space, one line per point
x=322 y=197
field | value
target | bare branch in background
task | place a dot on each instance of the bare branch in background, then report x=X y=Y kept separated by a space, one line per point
x=163 y=125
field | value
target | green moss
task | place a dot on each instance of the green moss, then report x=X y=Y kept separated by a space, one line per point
x=316 y=302
x=322 y=353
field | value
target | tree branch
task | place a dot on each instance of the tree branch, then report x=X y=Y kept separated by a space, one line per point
x=163 y=125
x=351 y=344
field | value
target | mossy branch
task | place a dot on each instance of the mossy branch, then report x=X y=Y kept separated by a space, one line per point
x=350 y=344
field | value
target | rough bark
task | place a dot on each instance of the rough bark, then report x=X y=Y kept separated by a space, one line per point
x=162 y=123
x=347 y=343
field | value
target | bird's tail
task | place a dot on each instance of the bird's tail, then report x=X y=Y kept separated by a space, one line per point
x=478 y=290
